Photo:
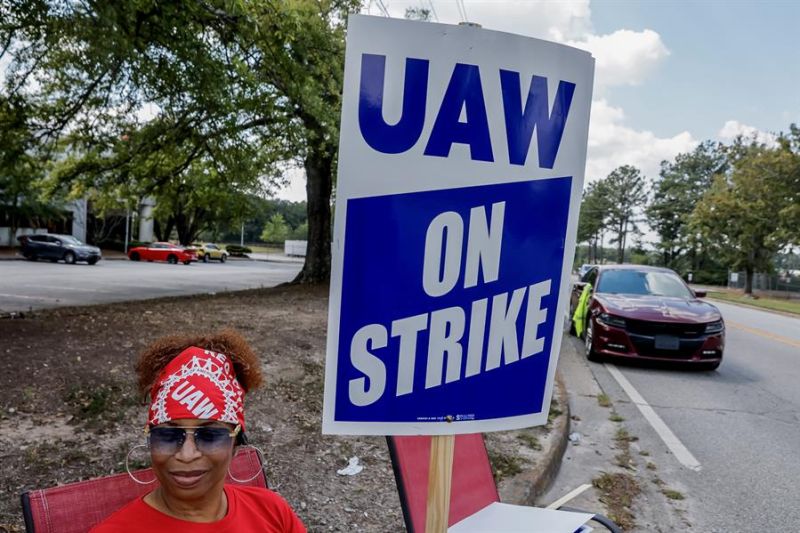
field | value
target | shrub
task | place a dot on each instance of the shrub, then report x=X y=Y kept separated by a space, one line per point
x=238 y=251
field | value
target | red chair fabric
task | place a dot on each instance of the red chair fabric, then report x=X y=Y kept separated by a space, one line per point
x=472 y=485
x=77 y=507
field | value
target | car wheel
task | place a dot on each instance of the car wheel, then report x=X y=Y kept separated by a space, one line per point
x=223 y=258
x=591 y=355
x=30 y=257
x=92 y=261
x=172 y=260
x=135 y=256
x=710 y=367
x=205 y=258
x=187 y=262
x=69 y=258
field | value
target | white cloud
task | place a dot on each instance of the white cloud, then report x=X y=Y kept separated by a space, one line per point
x=624 y=57
x=734 y=128
x=544 y=19
x=613 y=144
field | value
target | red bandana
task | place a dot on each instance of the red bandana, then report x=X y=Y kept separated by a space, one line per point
x=197 y=384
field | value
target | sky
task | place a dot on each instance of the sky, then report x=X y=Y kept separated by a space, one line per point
x=669 y=74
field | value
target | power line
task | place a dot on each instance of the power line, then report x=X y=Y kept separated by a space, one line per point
x=383 y=9
x=462 y=10
x=433 y=11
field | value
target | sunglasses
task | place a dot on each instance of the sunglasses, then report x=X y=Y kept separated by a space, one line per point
x=168 y=440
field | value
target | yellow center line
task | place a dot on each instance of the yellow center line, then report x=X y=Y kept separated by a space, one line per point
x=762 y=333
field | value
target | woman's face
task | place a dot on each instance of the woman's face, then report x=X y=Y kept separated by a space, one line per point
x=190 y=457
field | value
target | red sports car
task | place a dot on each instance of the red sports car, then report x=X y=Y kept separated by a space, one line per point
x=163 y=251
x=641 y=312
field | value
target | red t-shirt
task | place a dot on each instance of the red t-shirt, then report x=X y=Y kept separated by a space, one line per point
x=250 y=510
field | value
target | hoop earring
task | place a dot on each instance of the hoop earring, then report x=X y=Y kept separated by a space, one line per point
x=128 y=468
x=259 y=471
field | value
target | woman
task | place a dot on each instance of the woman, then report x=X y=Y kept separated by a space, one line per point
x=196 y=421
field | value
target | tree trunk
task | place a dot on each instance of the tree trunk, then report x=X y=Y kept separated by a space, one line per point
x=748 y=280
x=621 y=243
x=319 y=183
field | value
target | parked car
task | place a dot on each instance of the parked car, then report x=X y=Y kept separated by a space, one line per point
x=649 y=313
x=57 y=247
x=584 y=269
x=208 y=251
x=163 y=251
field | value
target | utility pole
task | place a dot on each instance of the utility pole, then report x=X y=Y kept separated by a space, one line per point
x=127 y=227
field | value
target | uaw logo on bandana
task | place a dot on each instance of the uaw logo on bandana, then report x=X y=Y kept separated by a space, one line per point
x=198 y=384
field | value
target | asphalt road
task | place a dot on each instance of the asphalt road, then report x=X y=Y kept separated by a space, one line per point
x=28 y=285
x=740 y=423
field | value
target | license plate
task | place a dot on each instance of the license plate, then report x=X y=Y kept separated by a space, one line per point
x=667 y=342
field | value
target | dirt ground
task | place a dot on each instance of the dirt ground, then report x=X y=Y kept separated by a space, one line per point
x=69 y=411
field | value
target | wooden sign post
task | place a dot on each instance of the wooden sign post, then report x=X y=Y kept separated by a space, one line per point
x=439 y=478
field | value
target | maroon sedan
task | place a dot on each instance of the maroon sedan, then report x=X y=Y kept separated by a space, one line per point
x=641 y=312
x=163 y=251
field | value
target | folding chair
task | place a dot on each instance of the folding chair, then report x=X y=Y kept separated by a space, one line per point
x=473 y=490
x=77 y=507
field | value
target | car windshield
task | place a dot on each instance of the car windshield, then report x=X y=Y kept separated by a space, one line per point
x=644 y=283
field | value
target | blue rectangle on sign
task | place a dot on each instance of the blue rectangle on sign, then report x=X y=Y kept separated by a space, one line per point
x=458 y=330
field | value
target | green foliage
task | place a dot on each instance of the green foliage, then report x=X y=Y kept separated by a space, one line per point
x=196 y=104
x=625 y=193
x=680 y=186
x=747 y=215
x=275 y=230
x=418 y=13
x=238 y=251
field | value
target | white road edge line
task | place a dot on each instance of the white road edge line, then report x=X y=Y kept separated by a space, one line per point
x=681 y=453
x=567 y=497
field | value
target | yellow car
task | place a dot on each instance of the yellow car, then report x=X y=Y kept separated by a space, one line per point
x=207 y=251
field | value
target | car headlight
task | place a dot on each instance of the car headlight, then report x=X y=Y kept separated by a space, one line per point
x=715 y=327
x=611 y=320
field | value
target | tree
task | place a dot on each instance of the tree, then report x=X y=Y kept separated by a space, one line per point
x=275 y=230
x=680 y=186
x=748 y=213
x=238 y=86
x=592 y=220
x=624 y=190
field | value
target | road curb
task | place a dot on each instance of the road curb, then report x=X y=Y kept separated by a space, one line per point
x=526 y=487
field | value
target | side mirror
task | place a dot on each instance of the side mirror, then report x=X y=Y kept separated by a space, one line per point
x=700 y=294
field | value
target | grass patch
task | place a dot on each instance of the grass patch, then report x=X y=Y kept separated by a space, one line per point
x=96 y=403
x=617 y=492
x=651 y=466
x=504 y=465
x=555 y=412
x=265 y=249
x=603 y=400
x=616 y=418
x=623 y=459
x=775 y=304
x=644 y=453
x=531 y=441
x=672 y=494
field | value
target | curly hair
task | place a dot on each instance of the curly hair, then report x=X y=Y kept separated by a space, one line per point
x=228 y=341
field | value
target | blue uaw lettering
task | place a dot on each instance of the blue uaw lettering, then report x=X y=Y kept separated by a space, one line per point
x=447 y=330
x=464 y=93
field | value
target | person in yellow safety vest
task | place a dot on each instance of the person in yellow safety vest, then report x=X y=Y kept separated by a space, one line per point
x=579 y=318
